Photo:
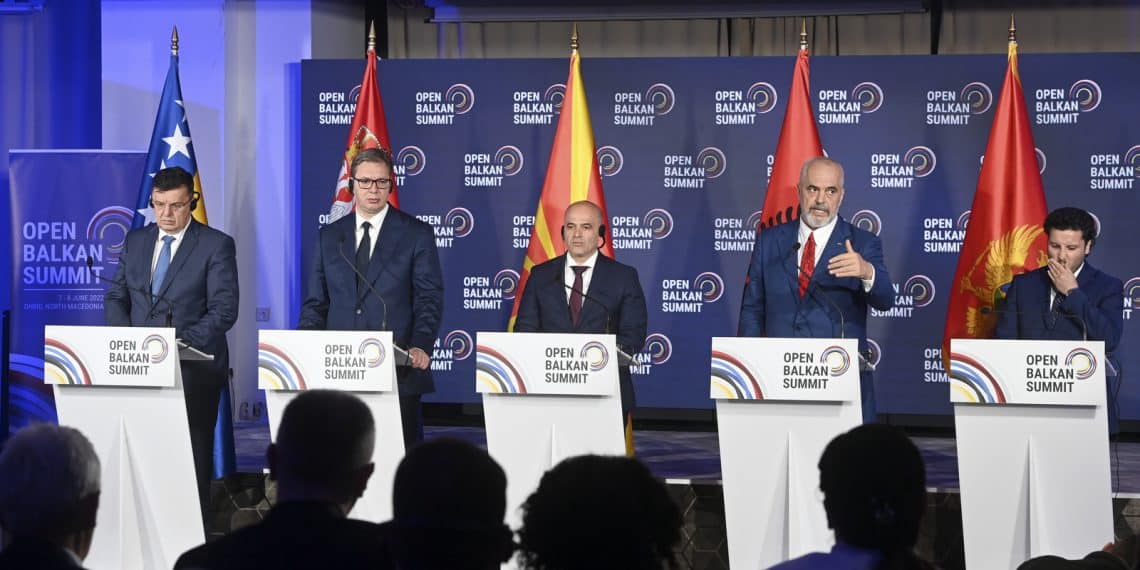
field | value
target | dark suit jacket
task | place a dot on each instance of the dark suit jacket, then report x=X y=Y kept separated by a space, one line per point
x=772 y=305
x=1097 y=301
x=26 y=553
x=404 y=270
x=201 y=286
x=545 y=307
x=296 y=535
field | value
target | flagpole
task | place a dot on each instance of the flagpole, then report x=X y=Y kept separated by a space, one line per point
x=174 y=41
x=803 y=34
x=371 y=38
x=1012 y=31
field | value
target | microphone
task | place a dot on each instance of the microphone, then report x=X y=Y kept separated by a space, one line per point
x=622 y=355
x=834 y=305
x=1076 y=317
x=159 y=297
x=402 y=356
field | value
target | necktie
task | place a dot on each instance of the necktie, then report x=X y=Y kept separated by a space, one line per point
x=1054 y=309
x=363 y=252
x=161 y=267
x=576 y=294
x=807 y=264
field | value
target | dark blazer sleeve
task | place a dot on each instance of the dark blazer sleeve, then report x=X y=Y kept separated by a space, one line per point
x=427 y=291
x=882 y=293
x=1007 y=317
x=117 y=301
x=752 y=306
x=315 y=308
x=1099 y=308
x=528 y=318
x=221 y=296
x=633 y=322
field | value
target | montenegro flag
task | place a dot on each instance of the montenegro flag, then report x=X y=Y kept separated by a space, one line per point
x=1005 y=236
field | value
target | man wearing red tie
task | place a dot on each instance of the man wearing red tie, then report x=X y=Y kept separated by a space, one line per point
x=583 y=291
x=814 y=277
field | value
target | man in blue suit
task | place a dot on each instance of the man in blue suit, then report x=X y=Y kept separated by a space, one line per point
x=1068 y=297
x=814 y=277
x=583 y=291
x=178 y=272
x=402 y=285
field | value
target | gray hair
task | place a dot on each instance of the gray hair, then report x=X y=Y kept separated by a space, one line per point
x=45 y=471
x=820 y=160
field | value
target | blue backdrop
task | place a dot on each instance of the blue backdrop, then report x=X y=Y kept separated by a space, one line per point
x=686 y=147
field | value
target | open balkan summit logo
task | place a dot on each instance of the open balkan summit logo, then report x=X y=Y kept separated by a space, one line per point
x=125 y=357
x=497 y=373
x=55 y=253
x=733 y=379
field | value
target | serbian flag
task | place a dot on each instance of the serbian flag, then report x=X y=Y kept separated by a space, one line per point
x=571 y=176
x=1004 y=236
x=369 y=130
x=799 y=141
x=171 y=145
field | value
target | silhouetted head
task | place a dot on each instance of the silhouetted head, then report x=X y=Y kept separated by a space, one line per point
x=600 y=513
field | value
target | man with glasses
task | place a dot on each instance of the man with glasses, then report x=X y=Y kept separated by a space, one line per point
x=180 y=273
x=378 y=269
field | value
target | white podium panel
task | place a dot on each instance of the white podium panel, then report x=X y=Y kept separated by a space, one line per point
x=122 y=387
x=779 y=401
x=547 y=397
x=1032 y=436
x=361 y=362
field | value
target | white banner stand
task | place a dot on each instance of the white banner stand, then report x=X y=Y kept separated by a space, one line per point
x=779 y=401
x=361 y=362
x=122 y=387
x=1032 y=434
x=547 y=397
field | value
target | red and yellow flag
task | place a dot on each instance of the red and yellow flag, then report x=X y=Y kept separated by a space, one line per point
x=799 y=141
x=571 y=176
x=1004 y=236
x=369 y=130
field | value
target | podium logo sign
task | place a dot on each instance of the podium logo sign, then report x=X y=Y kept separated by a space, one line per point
x=294 y=362
x=77 y=356
x=547 y=363
x=783 y=369
x=1001 y=372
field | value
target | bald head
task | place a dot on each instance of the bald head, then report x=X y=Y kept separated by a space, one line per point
x=583 y=228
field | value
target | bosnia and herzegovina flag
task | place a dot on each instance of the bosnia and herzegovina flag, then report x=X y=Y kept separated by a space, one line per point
x=171 y=145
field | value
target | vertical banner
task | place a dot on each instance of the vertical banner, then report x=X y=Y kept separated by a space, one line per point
x=69 y=218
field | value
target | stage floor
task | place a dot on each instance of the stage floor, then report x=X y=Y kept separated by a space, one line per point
x=694 y=457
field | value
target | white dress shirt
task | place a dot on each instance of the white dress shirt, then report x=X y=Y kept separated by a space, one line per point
x=376 y=221
x=822 y=235
x=568 y=274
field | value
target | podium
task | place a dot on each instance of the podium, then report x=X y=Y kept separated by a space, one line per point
x=1032 y=436
x=122 y=387
x=361 y=362
x=779 y=401
x=547 y=397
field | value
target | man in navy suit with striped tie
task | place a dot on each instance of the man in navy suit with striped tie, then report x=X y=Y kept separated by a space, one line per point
x=583 y=291
x=815 y=277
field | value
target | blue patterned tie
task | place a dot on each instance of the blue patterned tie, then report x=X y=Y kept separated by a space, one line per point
x=162 y=265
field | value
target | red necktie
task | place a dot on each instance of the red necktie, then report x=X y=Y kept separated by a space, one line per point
x=576 y=294
x=807 y=264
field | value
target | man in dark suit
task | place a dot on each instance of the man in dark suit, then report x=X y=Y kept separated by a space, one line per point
x=816 y=276
x=402 y=289
x=49 y=498
x=178 y=272
x=321 y=461
x=1068 y=297
x=583 y=291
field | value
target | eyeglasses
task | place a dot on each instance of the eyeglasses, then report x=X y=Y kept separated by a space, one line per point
x=368 y=183
x=174 y=206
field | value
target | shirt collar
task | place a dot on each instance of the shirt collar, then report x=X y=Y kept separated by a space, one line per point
x=588 y=263
x=824 y=230
x=177 y=235
x=376 y=220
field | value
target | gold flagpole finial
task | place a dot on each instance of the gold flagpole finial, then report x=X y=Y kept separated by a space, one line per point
x=1012 y=30
x=174 y=41
x=803 y=34
x=574 y=38
x=372 y=35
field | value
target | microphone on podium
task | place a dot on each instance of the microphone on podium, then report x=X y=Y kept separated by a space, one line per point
x=402 y=356
x=156 y=297
x=623 y=357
